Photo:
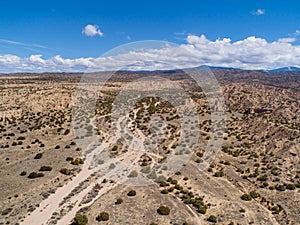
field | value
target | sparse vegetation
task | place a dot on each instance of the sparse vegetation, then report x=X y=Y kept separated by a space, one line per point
x=103 y=216
x=35 y=175
x=163 y=210
x=80 y=219
x=38 y=156
x=131 y=193
x=212 y=219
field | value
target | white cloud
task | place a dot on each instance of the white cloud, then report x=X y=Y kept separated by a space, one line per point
x=249 y=53
x=287 y=40
x=92 y=30
x=9 y=59
x=37 y=59
x=258 y=12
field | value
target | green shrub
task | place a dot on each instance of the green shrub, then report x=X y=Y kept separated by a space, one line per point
x=263 y=178
x=163 y=210
x=35 y=175
x=291 y=186
x=23 y=173
x=103 y=216
x=77 y=161
x=133 y=174
x=69 y=158
x=275 y=172
x=45 y=168
x=276 y=209
x=253 y=194
x=80 y=219
x=38 y=156
x=131 y=193
x=246 y=197
x=164 y=183
x=219 y=174
x=280 y=187
x=202 y=209
x=242 y=210
x=165 y=191
x=119 y=201
x=65 y=171
x=212 y=219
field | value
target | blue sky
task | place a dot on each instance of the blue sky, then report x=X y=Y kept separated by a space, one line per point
x=51 y=28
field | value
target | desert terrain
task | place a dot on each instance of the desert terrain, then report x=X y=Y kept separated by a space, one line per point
x=54 y=171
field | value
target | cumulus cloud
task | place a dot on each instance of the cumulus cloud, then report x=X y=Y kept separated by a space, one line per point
x=9 y=59
x=92 y=30
x=258 y=12
x=249 y=53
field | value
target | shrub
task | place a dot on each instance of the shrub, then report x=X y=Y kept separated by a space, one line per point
x=165 y=191
x=104 y=181
x=291 y=186
x=253 y=194
x=35 y=175
x=103 y=216
x=133 y=174
x=69 y=158
x=77 y=161
x=164 y=183
x=263 y=178
x=67 y=131
x=202 y=209
x=246 y=197
x=80 y=219
x=23 y=173
x=275 y=172
x=219 y=174
x=163 y=210
x=242 y=210
x=212 y=219
x=38 y=156
x=131 y=193
x=276 y=209
x=65 y=171
x=280 y=187
x=45 y=168
x=119 y=201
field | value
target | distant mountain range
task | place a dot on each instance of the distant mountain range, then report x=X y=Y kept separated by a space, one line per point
x=285 y=69
x=278 y=70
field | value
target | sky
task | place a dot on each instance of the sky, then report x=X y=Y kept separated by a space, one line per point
x=73 y=35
